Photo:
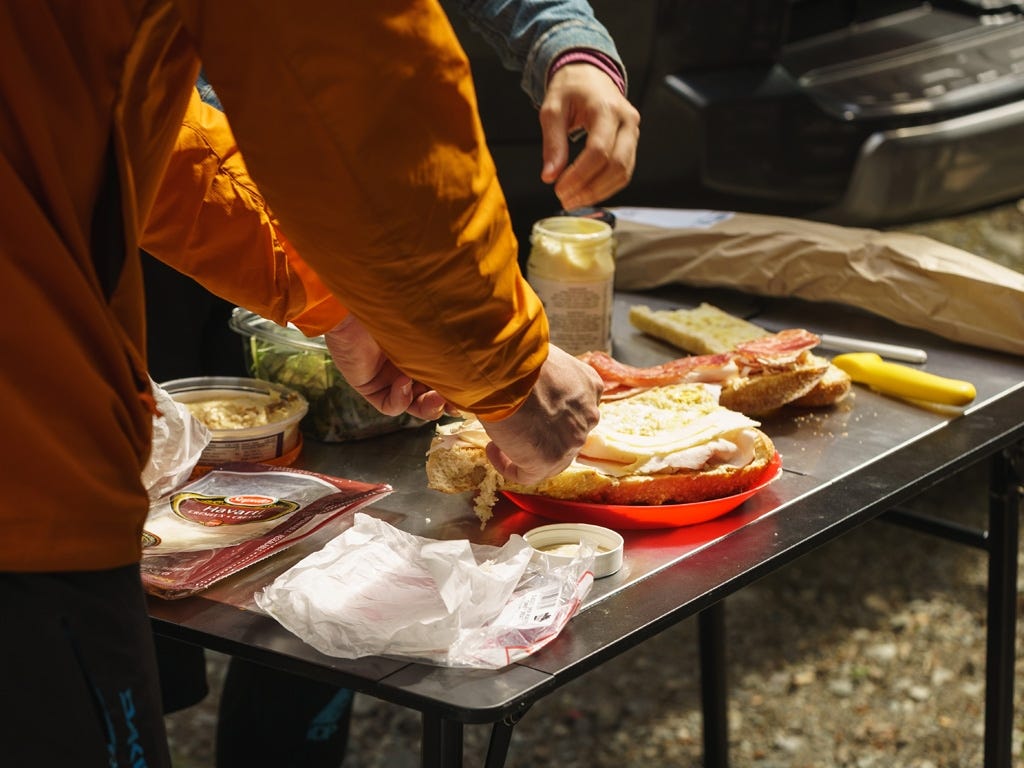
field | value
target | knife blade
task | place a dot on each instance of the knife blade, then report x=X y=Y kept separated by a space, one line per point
x=892 y=351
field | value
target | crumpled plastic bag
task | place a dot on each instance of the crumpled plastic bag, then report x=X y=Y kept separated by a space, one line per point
x=378 y=591
x=178 y=441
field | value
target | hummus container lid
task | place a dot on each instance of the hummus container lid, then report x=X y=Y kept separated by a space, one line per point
x=560 y=542
x=249 y=323
x=241 y=404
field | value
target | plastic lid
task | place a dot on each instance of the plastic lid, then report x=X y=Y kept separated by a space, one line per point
x=561 y=542
x=249 y=323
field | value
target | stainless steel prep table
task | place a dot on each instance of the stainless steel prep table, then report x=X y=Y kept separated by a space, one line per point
x=842 y=467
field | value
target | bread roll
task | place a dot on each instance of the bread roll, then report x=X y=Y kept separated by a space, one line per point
x=814 y=383
x=830 y=389
x=767 y=392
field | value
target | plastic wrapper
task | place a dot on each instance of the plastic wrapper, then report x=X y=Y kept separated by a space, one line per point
x=179 y=439
x=377 y=591
x=907 y=278
x=237 y=515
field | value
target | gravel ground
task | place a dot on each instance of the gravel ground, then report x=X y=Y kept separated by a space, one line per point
x=869 y=651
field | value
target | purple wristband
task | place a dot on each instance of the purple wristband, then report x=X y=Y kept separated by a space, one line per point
x=595 y=58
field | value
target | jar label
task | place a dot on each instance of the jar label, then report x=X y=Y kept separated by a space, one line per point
x=579 y=313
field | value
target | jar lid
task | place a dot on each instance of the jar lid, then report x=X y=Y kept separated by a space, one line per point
x=560 y=542
x=590 y=212
x=249 y=323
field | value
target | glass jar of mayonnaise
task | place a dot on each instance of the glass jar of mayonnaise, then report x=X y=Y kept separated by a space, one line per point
x=572 y=269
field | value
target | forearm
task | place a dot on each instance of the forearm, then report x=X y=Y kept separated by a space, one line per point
x=530 y=36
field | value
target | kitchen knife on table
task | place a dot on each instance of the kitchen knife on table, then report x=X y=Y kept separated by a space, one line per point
x=903 y=381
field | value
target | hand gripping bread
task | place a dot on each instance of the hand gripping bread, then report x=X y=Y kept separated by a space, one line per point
x=667 y=444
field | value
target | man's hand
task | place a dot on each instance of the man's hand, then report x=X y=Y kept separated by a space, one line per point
x=580 y=97
x=546 y=433
x=365 y=367
x=537 y=441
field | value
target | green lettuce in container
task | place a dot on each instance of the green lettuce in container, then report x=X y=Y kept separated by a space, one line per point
x=337 y=413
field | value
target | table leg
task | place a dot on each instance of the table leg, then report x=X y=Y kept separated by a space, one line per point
x=501 y=737
x=1005 y=494
x=441 y=742
x=714 y=701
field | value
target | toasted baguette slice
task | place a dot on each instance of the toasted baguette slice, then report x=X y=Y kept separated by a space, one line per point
x=705 y=330
x=830 y=389
x=765 y=393
x=669 y=444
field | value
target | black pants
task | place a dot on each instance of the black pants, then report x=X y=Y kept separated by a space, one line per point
x=275 y=718
x=79 y=672
x=266 y=717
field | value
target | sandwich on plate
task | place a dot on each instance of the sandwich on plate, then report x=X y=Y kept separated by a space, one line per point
x=759 y=371
x=665 y=444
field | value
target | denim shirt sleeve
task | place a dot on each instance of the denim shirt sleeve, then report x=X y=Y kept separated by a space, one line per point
x=206 y=92
x=529 y=35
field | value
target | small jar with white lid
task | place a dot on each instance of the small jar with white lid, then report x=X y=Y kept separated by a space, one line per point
x=572 y=269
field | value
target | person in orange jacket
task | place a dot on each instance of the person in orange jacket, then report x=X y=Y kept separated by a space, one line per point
x=584 y=87
x=359 y=124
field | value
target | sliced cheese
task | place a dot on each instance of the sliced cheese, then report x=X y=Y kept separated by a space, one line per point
x=735 y=450
x=679 y=426
x=618 y=444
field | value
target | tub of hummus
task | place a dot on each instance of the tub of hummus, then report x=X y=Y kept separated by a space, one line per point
x=249 y=419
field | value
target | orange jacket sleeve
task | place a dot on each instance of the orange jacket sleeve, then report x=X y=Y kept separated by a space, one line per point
x=210 y=221
x=359 y=124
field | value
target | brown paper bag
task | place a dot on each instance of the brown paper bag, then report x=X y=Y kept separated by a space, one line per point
x=910 y=279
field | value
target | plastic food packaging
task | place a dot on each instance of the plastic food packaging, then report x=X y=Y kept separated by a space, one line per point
x=237 y=515
x=337 y=413
x=377 y=591
x=179 y=439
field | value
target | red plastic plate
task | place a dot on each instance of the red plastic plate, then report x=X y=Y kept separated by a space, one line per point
x=634 y=517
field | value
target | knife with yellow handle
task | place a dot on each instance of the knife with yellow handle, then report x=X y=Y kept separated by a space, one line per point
x=904 y=381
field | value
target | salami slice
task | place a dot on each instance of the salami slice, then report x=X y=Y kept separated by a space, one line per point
x=777 y=350
x=708 y=368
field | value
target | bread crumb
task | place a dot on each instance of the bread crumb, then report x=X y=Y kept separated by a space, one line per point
x=487 y=495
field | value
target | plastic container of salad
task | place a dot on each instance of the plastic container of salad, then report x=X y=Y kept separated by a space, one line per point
x=286 y=356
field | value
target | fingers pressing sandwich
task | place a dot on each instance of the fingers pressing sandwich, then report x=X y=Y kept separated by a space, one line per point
x=546 y=433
